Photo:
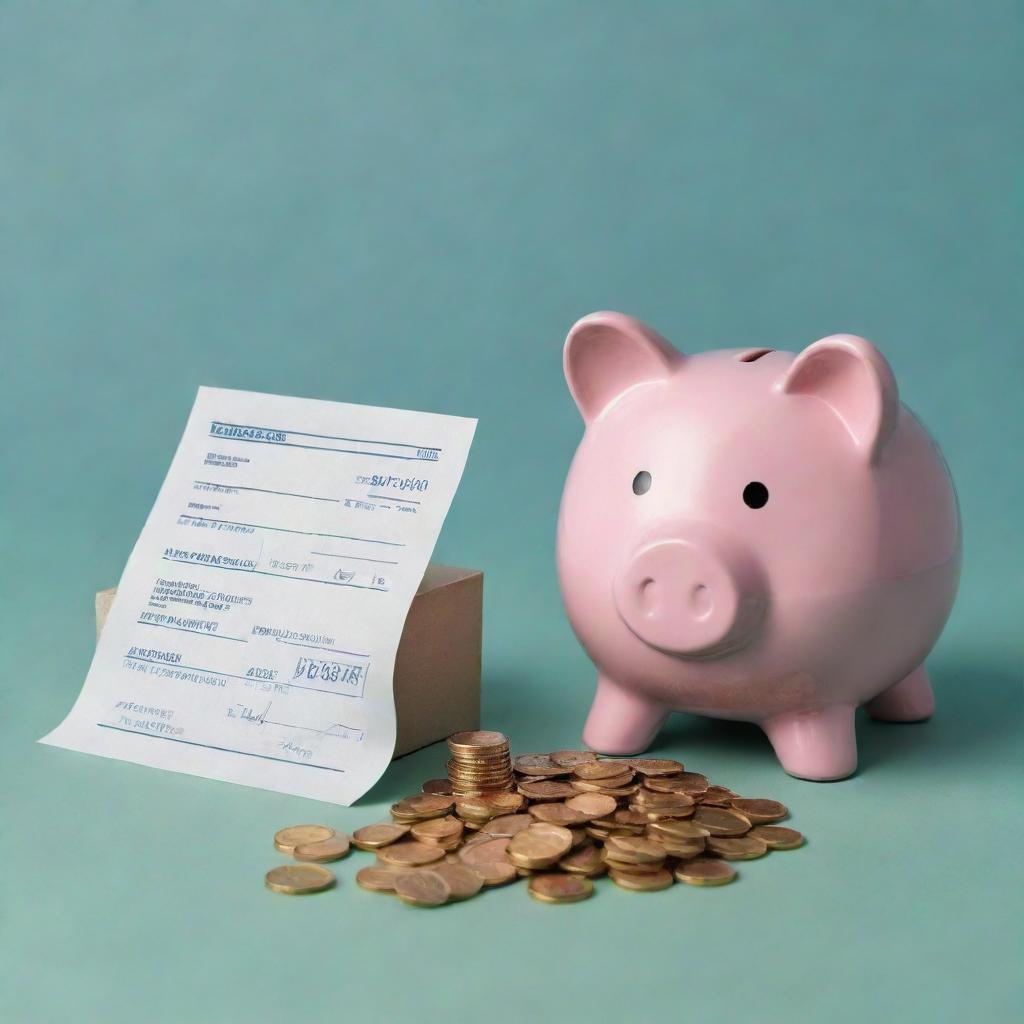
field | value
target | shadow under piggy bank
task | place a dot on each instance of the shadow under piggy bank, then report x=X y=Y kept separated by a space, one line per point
x=979 y=714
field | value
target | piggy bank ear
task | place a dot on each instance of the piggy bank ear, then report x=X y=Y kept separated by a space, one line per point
x=608 y=353
x=854 y=380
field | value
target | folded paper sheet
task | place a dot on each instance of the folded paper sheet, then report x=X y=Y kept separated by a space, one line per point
x=254 y=633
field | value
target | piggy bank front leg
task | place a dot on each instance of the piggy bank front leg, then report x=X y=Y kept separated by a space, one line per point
x=910 y=700
x=621 y=721
x=817 y=745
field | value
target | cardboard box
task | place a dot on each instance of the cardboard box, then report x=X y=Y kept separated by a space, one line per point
x=437 y=669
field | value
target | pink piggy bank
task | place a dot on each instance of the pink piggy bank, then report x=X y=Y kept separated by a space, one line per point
x=752 y=535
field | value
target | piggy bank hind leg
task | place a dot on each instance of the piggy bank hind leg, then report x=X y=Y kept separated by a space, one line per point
x=817 y=745
x=620 y=721
x=909 y=700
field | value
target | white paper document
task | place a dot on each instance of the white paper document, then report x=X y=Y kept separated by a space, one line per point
x=254 y=632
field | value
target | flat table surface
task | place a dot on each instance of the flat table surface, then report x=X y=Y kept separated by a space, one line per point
x=407 y=205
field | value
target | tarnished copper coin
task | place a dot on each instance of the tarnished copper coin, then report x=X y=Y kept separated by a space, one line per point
x=690 y=782
x=571 y=758
x=507 y=825
x=717 y=796
x=721 y=821
x=484 y=851
x=422 y=806
x=546 y=789
x=539 y=846
x=618 y=785
x=422 y=888
x=496 y=872
x=778 y=837
x=373 y=837
x=299 y=879
x=437 y=787
x=409 y=853
x=504 y=803
x=634 y=850
x=760 y=812
x=584 y=860
x=676 y=830
x=377 y=879
x=437 y=830
x=590 y=771
x=539 y=765
x=559 y=888
x=463 y=881
x=298 y=835
x=651 y=766
x=558 y=814
x=641 y=882
x=472 y=742
x=592 y=805
x=702 y=871
x=736 y=847
x=335 y=848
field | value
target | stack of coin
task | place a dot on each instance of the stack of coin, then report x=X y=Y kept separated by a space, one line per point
x=480 y=763
x=560 y=820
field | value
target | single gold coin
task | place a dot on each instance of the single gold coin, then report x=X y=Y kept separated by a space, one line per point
x=778 y=837
x=504 y=802
x=641 y=882
x=299 y=835
x=721 y=821
x=484 y=851
x=373 y=837
x=592 y=805
x=409 y=853
x=717 y=796
x=546 y=789
x=690 y=782
x=463 y=881
x=539 y=846
x=760 y=812
x=702 y=871
x=558 y=814
x=736 y=847
x=590 y=771
x=437 y=787
x=377 y=879
x=652 y=766
x=571 y=758
x=299 y=879
x=335 y=848
x=634 y=850
x=676 y=830
x=437 y=830
x=618 y=785
x=496 y=872
x=636 y=869
x=422 y=888
x=584 y=860
x=424 y=805
x=558 y=888
x=476 y=739
x=507 y=825
x=539 y=766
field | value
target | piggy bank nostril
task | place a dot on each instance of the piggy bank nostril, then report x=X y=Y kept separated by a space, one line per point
x=700 y=601
x=648 y=595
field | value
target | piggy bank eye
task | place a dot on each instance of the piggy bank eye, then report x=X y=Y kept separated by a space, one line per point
x=642 y=482
x=755 y=494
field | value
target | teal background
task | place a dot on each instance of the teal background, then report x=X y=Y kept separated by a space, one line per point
x=408 y=204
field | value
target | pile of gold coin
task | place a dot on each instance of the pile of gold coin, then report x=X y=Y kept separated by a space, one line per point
x=481 y=762
x=568 y=818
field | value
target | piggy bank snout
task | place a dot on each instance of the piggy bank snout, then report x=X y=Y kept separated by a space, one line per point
x=691 y=592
